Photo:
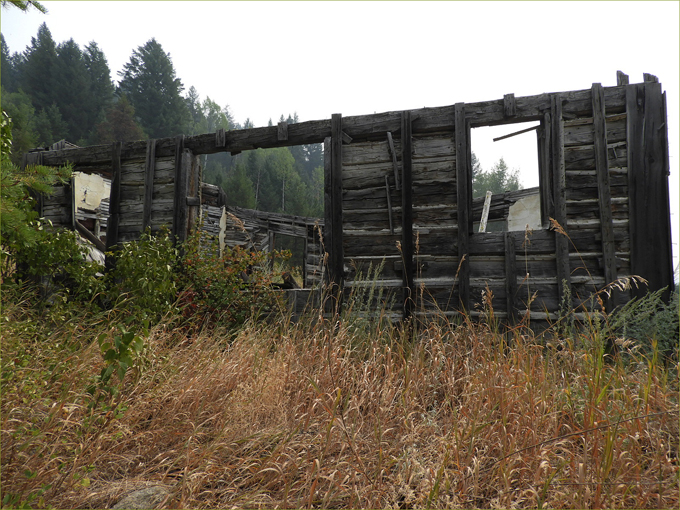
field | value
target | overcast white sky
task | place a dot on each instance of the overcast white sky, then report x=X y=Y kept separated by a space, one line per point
x=265 y=59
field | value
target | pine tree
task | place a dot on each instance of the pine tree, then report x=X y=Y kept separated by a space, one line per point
x=497 y=180
x=38 y=71
x=101 y=86
x=120 y=124
x=149 y=81
x=74 y=92
x=8 y=77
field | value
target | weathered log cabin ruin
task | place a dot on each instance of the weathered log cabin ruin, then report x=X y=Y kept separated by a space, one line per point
x=398 y=193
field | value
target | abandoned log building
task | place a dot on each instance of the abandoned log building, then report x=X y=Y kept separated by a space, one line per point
x=398 y=193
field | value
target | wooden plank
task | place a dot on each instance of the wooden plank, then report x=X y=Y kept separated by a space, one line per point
x=545 y=182
x=603 y=188
x=180 y=203
x=621 y=78
x=389 y=204
x=510 y=277
x=559 y=196
x=464 y=202
x=509 y=105
x=114 y=204
x=193 y=199
x=150 y=168
x=90 y=236
x=393 y=154
x=648 y=186
x=408 y=291
x=220 y=138
x=336 y=259
x=282 y=131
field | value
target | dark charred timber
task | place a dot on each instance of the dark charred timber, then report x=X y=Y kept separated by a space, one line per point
x=408 y=296
x=603 y=190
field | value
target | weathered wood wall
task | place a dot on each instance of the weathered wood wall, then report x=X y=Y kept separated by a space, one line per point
x=398 y=193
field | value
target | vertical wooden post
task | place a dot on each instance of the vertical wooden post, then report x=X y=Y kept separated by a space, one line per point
x=545 y=182
x=193 y=198
x=327 y=240
x=650 y=245
x=560 y=197
x=621 y=78
x=510 y=277
x=603 y=189
x=149 y=171
x=408 y=291
x=333 y=210
x=464 y=198
x=180 y=198
x=114 y=204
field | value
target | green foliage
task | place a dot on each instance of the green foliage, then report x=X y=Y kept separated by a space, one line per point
x=143 y=276
x=25 y=5
x=23 y=235
x=227 y=289
x=120 y=124
x=497 y=180
x=23 y=130
x=649 y=323
x=59 y=261
x=120 y=353
x=149 y=81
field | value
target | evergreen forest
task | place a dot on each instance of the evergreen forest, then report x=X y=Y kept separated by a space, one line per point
x=60 y=91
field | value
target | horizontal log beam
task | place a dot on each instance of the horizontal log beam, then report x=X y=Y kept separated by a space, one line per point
x=361 y=127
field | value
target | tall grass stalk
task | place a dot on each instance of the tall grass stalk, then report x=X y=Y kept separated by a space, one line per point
x=343 y=415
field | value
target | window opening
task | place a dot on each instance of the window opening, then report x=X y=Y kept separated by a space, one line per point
x=505 y=161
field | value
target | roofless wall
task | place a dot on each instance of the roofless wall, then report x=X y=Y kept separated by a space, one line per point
x=398 y=193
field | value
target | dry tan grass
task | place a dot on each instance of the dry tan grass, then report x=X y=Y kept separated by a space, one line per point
x=307 y=415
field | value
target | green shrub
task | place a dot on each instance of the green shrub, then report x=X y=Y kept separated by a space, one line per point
x=226 y=289
x=647 y=321
x=143 y=280
x=59 y=263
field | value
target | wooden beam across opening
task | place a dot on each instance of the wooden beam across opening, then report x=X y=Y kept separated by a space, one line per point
x=408 y=296
x=603 y=189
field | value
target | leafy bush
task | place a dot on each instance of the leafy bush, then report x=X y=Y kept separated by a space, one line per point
x=229 y=288
x=143 y=278
x=20 y=226
x=648 y=321
x=59 y=262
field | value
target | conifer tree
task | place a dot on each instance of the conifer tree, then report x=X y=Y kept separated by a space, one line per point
x=152 y=87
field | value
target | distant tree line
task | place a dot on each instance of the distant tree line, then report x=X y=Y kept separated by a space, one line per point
x=62 y=91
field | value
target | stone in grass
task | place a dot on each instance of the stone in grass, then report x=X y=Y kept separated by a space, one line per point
x=144 y=499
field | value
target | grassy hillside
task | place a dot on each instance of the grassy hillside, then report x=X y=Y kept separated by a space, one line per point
x=329 y=415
